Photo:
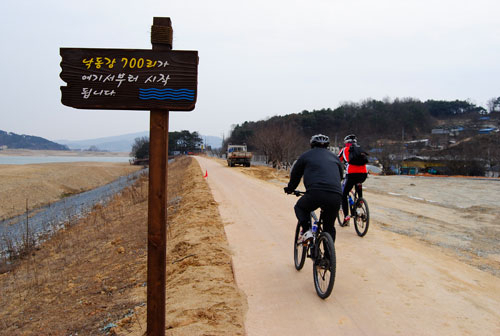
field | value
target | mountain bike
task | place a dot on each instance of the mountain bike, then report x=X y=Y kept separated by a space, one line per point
x=359 y=211
x=321 y=250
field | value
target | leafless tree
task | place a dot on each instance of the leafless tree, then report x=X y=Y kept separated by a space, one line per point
x=280 y=143
x=493 y=104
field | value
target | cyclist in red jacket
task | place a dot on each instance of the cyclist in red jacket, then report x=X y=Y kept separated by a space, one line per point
x=354 y=174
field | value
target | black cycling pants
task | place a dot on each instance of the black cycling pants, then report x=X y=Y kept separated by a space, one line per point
x=351 y=181
x=314 y=199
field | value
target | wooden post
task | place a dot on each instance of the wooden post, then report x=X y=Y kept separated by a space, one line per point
x=159 y=80
x=161 y=39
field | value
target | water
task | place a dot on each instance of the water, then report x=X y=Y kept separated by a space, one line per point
x=19 y=160
x=50 y=218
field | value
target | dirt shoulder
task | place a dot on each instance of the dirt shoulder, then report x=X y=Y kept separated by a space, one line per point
x=91 y=277
x=40 y=184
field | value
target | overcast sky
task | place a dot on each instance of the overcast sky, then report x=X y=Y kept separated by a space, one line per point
x=258 y=58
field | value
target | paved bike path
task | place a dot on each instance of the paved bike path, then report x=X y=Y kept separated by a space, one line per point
x=386 y=284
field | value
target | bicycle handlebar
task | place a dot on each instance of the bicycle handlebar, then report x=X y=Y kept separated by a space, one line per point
x=298 y=192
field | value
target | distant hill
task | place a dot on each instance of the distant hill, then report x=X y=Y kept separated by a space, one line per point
x=23 y=141
x=372 y=120
x=123 y=143
x=462 y=135
x=119 y=143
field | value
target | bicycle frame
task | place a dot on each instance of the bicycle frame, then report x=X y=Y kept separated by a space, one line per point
x=353 y=195
x=319 y=223
x=321 y=249
x=356 y=192
x=314 y=219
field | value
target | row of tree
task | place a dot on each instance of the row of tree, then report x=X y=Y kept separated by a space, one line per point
x=473 y=156
x=372 y=118
x=178 y=142
x=379 y=124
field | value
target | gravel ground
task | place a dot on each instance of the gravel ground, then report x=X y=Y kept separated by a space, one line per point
x=458 y=214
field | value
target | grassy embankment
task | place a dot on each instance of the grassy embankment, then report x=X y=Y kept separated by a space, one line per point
x=40 y=184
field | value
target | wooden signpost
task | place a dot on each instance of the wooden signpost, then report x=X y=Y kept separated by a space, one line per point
x=159 y=80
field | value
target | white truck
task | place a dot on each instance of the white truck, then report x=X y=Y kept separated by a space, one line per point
x=238 y=154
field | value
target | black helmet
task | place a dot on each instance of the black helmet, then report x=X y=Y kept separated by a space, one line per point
x=351 y=138
x=320 y=140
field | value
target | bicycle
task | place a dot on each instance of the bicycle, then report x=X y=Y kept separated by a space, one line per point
x=321 y=250
x=359 y=211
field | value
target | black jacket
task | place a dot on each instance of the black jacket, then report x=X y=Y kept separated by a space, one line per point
x=321 y=169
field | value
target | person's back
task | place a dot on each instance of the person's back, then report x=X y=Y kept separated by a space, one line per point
x=354 y=174
x=350 y=167
x=321 y=170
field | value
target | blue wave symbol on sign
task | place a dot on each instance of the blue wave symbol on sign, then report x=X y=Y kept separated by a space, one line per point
x=166 y=94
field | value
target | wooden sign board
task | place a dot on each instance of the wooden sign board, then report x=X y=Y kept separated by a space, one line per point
x=129 y=79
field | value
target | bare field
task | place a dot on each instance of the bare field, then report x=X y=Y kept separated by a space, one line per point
x=40 y=184
x=458 y=214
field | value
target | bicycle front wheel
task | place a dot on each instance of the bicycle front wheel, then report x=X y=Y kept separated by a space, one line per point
x=340 y=217
x=299 y=250
x=325 y=265
x=362 y=217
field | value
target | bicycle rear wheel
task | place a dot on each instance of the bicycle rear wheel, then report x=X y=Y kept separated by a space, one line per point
x=362 y=217
x=299 y=250
x=325 y=265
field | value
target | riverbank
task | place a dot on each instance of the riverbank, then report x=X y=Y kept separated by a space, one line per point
x=36 y=185
x=90 y=278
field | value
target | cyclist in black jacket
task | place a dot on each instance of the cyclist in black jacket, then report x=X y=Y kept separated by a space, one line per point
x=322 y=172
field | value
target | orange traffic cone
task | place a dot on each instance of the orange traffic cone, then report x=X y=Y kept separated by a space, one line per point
x=206 y=174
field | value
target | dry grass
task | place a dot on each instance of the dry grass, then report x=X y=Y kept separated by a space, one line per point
x=41 y=184
x=83 y=277
x=94 y=272
x=266 y=173
x=261 y=172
